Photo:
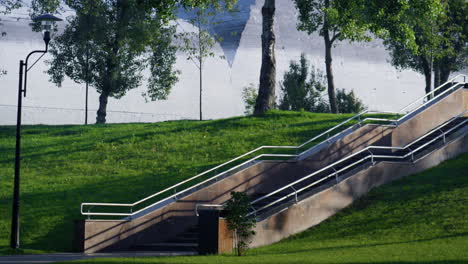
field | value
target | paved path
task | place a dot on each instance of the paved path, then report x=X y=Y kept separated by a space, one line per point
x=58 y=257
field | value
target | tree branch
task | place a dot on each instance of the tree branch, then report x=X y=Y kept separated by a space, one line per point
x=335 y=36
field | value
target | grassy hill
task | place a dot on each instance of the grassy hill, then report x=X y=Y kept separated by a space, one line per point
x=63 y=166
x=421 y=218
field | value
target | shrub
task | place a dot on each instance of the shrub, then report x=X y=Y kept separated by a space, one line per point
x=301 y=89
x=236 y=211
x=348 y=102
x=249 y=95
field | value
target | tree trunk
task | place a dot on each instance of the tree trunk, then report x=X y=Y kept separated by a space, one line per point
x=427 y=74
x=102 y=112
x=330 y=81
x=444 y=74
x=201 y=89
x=200 y=61
x=266 y=93
x=87 y=84
x=328 y=64
x=437 y=82
x=111 y=65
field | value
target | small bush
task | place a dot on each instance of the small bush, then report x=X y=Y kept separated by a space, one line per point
x=249 y=95
x=236 y=210
x=304 y=89
x=301 y=89
x=348 y=102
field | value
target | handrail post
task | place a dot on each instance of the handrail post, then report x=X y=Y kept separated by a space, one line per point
x=412 y=153
x=336 y=174
x=295 y=193
x=372 y=157
x=443 y=134
x=254 y=210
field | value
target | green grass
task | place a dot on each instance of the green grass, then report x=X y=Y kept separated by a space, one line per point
x=63 y=166
x=421 y=218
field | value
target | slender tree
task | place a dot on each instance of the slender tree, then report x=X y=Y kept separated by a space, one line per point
x=335 y=20
x=199 y=45
x=266 y=92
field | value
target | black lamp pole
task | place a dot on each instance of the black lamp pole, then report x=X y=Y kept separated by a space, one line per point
x=15 y=227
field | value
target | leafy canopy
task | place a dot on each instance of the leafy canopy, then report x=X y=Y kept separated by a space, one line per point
x=110 y=44
x=342 y=16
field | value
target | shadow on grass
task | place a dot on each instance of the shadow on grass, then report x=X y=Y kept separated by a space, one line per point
x=461 y=235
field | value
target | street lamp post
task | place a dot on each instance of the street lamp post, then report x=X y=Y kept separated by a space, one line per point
x=46 y=20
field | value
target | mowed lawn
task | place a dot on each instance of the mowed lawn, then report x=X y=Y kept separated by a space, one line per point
x=421 y=218
x=63 y=166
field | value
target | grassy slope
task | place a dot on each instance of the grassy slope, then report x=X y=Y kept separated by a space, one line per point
x=63 y=166
x=418 y=219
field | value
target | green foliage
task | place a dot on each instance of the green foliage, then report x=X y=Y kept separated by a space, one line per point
x=2 y=34
x=454 y=31
x=249 y=96
x=342 y=17
x=110 y=44
x=162 y=58
x=6 y=6
x=301 y=89
x=396 y=20
x=422 y=22
x=164 y=9
x=437 y=39
x=199 y=45
x=348 y=102
x=236 y=210
x=63 y=166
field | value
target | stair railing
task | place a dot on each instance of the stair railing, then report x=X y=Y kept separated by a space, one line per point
x=258 y=157
x=371 y=156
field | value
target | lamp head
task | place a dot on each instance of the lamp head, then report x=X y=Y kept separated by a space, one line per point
x=47 y=20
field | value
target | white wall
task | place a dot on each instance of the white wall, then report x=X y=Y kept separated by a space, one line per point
x=362 y=67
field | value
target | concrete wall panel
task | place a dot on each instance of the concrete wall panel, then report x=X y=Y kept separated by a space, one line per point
x=431 y=117
x=313 y=210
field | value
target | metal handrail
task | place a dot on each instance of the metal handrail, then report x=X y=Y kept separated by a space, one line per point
x=351 y=165
x=207 y=206
x=435 y=90
x=173 y=187
x=221 y=165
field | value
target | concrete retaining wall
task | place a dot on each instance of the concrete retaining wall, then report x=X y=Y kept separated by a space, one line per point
x=313 y=210
x=431 y=117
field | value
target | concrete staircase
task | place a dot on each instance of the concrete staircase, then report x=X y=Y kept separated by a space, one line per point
x=173 y=226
